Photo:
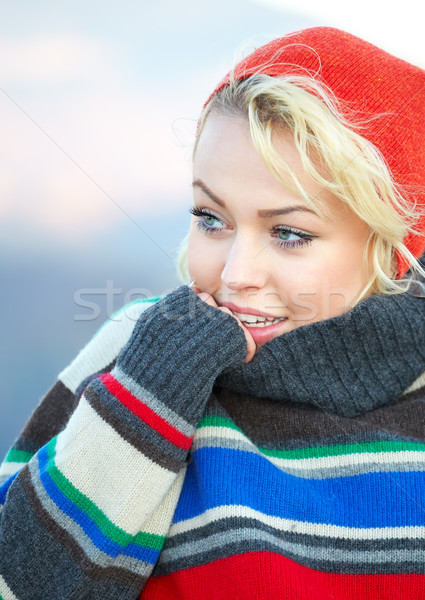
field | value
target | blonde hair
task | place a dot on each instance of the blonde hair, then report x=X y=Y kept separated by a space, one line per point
x=328 y=136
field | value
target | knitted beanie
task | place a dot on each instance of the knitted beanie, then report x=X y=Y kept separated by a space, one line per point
x=369 y=81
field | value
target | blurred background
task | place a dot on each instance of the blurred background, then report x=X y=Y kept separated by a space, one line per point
x=98 y=107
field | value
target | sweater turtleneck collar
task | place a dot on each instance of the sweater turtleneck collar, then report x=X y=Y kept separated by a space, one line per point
x=347 y=365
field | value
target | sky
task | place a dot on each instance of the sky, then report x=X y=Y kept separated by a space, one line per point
x=395 y=26
x=98 y=100
x=98 y=107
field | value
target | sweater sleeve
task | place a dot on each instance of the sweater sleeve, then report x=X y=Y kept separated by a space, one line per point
x=88 y=515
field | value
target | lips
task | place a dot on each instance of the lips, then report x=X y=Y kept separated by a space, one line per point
x=248 y=312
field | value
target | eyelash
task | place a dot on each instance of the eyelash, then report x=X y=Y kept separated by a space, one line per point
x=305 y=238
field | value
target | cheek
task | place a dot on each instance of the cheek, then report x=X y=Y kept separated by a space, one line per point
x=303 y=291
x=326 y=286
x=204 y=261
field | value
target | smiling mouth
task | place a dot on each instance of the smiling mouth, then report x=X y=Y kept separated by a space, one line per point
x=256 y=320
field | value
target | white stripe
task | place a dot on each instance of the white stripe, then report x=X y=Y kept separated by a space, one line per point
x=10 y=468
x=122 y=482
x=104 y=347
x=5 y=591
x=204 y=434
x=395 y=457
x=357 y=458
x=290 y=525
x=159 y=523
x=416 y=385
x=80 y=538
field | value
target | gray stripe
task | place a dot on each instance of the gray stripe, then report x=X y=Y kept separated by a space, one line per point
x=33 y=580
x=232 y=523
x=91 y=551
x=148 y=441
x=229 y=444
x=318 y=472
x=365 y=437
x=223 y=544
x=153 y=402
x=356 y=469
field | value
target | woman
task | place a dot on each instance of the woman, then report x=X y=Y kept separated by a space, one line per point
x=258 y=433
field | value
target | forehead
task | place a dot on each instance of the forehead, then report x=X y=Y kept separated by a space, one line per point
x=219 y=133
x=229 y=164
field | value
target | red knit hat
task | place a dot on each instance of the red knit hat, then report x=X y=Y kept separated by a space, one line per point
x=371 y=82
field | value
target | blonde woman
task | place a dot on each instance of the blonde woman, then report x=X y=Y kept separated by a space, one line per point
x=258 y=432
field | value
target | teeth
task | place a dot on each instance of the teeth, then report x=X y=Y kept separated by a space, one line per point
x=256 y=320
x=266 y=323
x=248 y=318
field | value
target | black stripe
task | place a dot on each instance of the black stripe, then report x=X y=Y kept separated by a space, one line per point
x=89 y=379
x=243 y=546
x=49 y=418
x=251 y=542
x=284 y=425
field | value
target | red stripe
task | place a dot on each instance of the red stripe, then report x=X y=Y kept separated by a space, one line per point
x=145 y=413
x=268 y=576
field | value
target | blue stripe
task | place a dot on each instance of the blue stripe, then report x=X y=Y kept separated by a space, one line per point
x=219 y=477
x=6 y=485
x=88 y=525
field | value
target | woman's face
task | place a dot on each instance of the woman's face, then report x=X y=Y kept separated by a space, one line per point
x=258 y=248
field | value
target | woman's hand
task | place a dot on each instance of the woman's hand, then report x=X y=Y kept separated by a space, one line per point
x=208 y=299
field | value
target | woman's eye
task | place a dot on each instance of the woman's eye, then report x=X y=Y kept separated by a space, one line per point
x=211 y=221
x=206 y=221
x=290 y=238
x=286 y=235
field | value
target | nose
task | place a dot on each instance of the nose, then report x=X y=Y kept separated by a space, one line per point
x=245 y=265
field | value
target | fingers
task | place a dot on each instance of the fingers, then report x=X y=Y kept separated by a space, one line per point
x=208 y=299
x=251 y=345
x=194 y=286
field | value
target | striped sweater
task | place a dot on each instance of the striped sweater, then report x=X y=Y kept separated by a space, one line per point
x=150 y=470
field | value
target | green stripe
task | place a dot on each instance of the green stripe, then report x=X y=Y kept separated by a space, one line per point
x=113 y=532
x=215 y=421
x=19 y=456
x=321 y=451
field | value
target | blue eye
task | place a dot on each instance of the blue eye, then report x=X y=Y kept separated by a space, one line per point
x=206 y=221
x=291 y=238
x=285 y=235
x=211 y=221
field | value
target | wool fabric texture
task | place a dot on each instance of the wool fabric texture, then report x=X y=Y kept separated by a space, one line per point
x=152 y=471
x=386 y=93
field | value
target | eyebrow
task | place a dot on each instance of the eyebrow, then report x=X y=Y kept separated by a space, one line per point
x=200 y=184
x=273 y=212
